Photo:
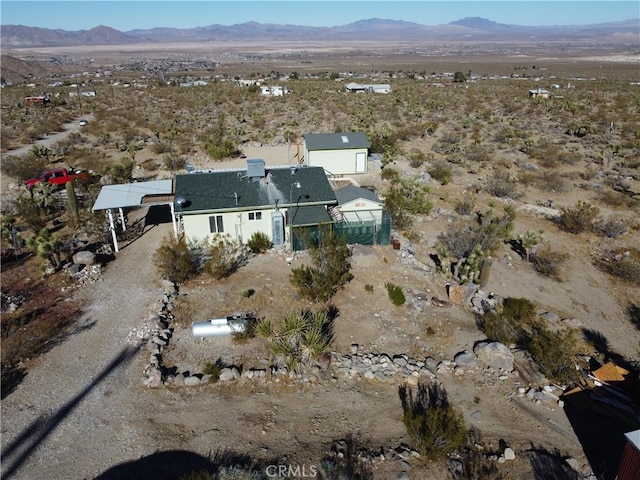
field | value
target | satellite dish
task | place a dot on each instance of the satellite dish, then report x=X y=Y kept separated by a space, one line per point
x=180 y=201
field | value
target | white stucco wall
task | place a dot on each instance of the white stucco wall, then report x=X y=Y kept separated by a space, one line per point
x=236 y=224
x=337 y=162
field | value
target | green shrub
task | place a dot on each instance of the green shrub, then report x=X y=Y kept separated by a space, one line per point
x=395 y=294
x=212 y=369
x=259 y=242
x=622 y=262
x=553 y=351
x=547 y=261
x=369 y=288
x=502 y=185
x=225 y=257
x=614 y=226
x=432 y=423
x=465 y=204
x=331 y=268
x=441 y=171
x=579 y=218
x=247 y=292
x=509 y=323
x=174 y=261
x=417 y=159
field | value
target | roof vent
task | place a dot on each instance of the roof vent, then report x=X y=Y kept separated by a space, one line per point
x=345 y=139
x=255 y=169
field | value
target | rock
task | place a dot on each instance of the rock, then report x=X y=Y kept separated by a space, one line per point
x=509 y=454
x=531 y=394
x=464 y=359
x=226 y=375
x=76 y=268
x=84 y=257
x=178 y=379
x=354 y=349
x=206 y=378
x=456 y=293
x=154 y=380
x=436 y=302
x=412 y=380
x=495 y=355
x=550 y=317
x=192 y=381
x=324 y=361
x=477 y=415
x=403 y=476
x=400 y=360
x=235 y=372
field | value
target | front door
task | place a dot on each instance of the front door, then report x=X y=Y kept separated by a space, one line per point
x=361 y=162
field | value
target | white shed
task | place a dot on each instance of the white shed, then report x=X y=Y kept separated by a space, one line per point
x=337 y=153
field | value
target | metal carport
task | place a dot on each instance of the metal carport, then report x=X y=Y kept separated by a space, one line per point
x=156 y=192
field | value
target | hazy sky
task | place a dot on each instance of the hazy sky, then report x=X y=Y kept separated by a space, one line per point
x=127 y=15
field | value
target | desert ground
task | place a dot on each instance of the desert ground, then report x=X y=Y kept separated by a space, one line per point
x=76 y=405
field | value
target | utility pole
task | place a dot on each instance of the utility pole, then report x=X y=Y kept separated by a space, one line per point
x=79 y=100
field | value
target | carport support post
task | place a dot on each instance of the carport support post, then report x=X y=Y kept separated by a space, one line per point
x=173 y=220
x=124 y=226
x=112 y=227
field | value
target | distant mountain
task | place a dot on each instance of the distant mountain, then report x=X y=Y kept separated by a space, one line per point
x=16 y=70
x=466 y=29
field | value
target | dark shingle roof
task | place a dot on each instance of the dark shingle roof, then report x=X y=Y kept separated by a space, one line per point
x=351 y=192
x=233 y=190
x=335 y=141
x=312 y=215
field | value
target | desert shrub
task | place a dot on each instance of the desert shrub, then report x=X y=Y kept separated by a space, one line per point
x=150 y=165
x=577 y=219
x=174 y=261
x=331 y=268
x=247 y=292
x=390 y=174
x=508 y=323
x=406 y=198
x=368 y=287
x=121 y=172
x=465 y=204
x=551 y=181
x=160 y=147
x=435 y=427
x=417 y=159
x=173 y=162
x=487 y=230
x=441 y=171
x=480 y=153
x=212 y=369
x=553 y=351
x=502 y=185
x=622 y=262
x=547 y=261
x=613 y=227
x=395 y=294
x=301 y=338
x=473 y=462
x=259 y=242
x=23 y=167
x=225 y=257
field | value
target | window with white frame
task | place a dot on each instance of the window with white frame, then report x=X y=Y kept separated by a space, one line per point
x=215 y=224
x=255 y=215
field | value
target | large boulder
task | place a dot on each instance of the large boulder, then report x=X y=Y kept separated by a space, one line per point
x=495 y=355
x=84 y=257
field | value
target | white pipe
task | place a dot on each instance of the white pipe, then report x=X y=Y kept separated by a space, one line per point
x=124 y=226
x=173 y=220
x=113 y=230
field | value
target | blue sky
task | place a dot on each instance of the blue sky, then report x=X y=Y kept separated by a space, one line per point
x=127 y=15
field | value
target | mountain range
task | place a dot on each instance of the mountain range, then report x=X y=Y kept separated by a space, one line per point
x=466 y=29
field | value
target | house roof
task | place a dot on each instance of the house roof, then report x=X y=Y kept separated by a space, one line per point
x=336 y=141
x=133 y=194
x=351 y=192
x=233 y=190
x=311 y=215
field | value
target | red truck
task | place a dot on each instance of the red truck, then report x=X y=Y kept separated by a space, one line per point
x=58 y=176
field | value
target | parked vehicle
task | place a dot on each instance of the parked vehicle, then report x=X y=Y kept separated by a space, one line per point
x=58 y=176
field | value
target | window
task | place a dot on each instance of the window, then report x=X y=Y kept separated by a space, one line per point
x=255 y=215
x=215 y=224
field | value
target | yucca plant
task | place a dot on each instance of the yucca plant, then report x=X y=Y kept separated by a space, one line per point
x=293 y=326
x=313 y=344
x=264 y=329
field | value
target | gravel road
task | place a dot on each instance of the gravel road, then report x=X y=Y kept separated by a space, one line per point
x=72 y=415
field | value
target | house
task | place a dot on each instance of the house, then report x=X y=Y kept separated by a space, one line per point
x=629 y=468
x=361 y=217
x=539 y=92
x=275 y=91
x=337 y=153
x=281 y=202
x=39 y=101
x=368 y=88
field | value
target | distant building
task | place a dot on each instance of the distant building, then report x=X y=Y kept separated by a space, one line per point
x=40 y=101
x=367 y=88
x=274 y=91
x=539 y=93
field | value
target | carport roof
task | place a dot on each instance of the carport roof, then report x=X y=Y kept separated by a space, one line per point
x=133 y=194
